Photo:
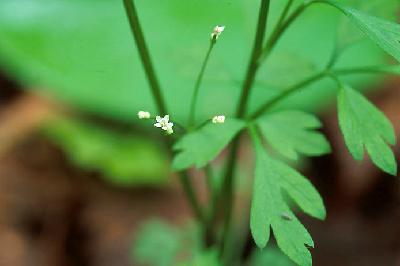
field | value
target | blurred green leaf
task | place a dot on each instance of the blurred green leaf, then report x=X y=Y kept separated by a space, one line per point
x=203 y=145
x=293 y=132
x=204 y=258
x=362 y=124
x=161 y=244
x=157 y=244
x=384 y=33
x=269 y=256
x=123 y=159
x=269 y=207
x=83 y=53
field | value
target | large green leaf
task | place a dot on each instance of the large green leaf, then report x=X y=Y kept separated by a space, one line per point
x=203 y=145
x=123 y=159
x=83 y=53
x=269 y=207
x=363 y=125
x=293 y=132
x=384 y=33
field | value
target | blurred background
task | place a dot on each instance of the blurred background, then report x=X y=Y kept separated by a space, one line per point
x=80 y=175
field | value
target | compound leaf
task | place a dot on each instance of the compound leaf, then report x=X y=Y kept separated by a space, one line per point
x=293 y=132
x=363 y=125
x=269 y=208
x=203 y=145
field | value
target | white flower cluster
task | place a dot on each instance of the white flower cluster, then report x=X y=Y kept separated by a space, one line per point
x=161 y=122
x=216 y=32
x=164 y=124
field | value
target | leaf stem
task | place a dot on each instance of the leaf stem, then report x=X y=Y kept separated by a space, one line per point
x=284 y=13
x=145 y=56
x=227 y=183
x=281 y=29
x=308 y=81
x=278 y=98
x=193 y=104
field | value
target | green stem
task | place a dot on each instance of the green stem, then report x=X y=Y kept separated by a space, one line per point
x=253 y=64
x=144 y=55
x=277 y=99
x=280 y=30
x=193 y=104
x=284 y=13
x=308 y=81
x=227 y=197
x=191 y=196
x=158 y=97
x=227 y=183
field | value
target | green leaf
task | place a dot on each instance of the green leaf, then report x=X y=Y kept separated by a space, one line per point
x=269 y=256
x=269 y=207
x=203 y=145
x=294 y=132
x=157 y=244
x=348 y=33
x=363 y=125
x=384 y=33
x=123 y=159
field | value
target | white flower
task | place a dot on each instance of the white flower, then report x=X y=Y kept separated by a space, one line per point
x=164 y=124
x=143 y=115
x=216 y=32
x=219 y=119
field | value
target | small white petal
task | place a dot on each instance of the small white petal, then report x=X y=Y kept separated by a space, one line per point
x=157 y=125
x=166 y=118
x=158 y=118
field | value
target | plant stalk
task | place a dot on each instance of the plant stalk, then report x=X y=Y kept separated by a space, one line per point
x=155 y=88
x=228 y=184
x=145 y=55
x=193 y=104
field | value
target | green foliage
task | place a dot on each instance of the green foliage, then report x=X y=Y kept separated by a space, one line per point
x=204 y=258
x=269 y=207
x=161 y=244
x=123 y=159
x=157 y=244
x=270 y=256
x=349 y=34
x=293 y=132
x=201 y=146
x=362 y=124
x=384 y=33
x=84 y=54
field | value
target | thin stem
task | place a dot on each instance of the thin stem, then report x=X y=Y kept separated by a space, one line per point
x=253 y=64
x=280 y=30
x=308 y=81
x=193 y=104
x=278 y=98
x=158 y=97
x=227 y=184
x=145 y=56
x=284 y=13
x=395 y=70
x=227 y=195
x=191 y=196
